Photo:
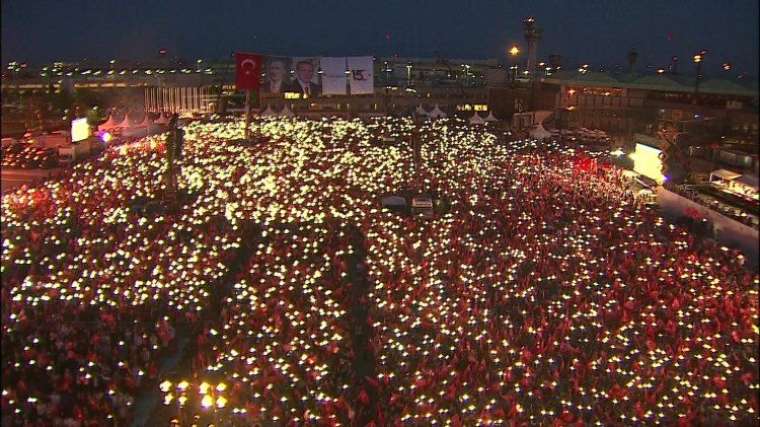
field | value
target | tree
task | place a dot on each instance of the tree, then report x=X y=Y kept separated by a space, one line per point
x=62 y=101
x=85 y=99
x=93 y=116
x=676 y=165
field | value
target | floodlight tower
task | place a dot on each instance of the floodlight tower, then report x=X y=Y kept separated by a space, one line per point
x=532 y=35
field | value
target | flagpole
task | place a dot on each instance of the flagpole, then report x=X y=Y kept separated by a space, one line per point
x=247 y=114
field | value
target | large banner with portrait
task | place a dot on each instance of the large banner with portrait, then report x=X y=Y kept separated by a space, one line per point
x=276 y=75
x=309 y=77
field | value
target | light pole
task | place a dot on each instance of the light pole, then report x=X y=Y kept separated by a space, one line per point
x=698 y=59
x=532 y=35
x=513 y=52
x=674 y=65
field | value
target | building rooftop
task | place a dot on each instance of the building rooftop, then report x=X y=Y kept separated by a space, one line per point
x=657 y=82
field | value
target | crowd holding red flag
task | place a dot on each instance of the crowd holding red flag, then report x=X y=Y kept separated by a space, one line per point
x=544 y=295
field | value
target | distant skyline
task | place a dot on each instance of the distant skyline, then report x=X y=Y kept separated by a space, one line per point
x=596 y=32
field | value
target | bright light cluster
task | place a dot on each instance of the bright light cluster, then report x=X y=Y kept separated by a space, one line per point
x=282 y=345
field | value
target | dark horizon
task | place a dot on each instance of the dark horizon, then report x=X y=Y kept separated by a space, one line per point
x=580 y=33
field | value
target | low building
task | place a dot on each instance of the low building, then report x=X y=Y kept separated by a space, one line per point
x=628 y=103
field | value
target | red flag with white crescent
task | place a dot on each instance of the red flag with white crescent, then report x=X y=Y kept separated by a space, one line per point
x=247 y=71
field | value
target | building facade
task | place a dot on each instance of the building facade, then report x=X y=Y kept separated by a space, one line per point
x=635 y=103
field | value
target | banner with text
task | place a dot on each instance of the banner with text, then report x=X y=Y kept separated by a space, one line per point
x=361 y=75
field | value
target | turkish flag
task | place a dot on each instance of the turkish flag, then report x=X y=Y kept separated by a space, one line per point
x=247 y=71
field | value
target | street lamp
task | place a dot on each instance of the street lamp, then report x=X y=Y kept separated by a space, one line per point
x=674 y=65
x=698 y=59
x=513 y=52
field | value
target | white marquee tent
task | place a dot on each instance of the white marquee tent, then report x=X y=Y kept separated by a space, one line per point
x=476 y=119
x=146 y=122
x=268 y=112
x=437 y=113
x=125 y=122
x=539 y=132
x=162 y=120
x=109 y=124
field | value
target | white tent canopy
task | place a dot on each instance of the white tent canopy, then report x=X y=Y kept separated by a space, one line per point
x=540 y=116
x=749 y=181
x=268 y=112
x=124 y=123
x=490 y=117
x=286 y=112
x=421 y=111
x=108 y=125
x=162 y=120
x=146 y=122
x=437 y=112
x=724 y=174
x=476 y=119
x=539 y=132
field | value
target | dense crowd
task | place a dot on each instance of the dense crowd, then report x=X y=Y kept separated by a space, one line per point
x=544 y=295
x=92 y=292
x=22 y=155
x=282 y=348
x=527 y=305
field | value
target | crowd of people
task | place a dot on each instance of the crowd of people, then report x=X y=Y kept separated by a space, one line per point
x=544 y=295
x=92 y=291
x=552 y=298
x=282 y=344
x=22 y=155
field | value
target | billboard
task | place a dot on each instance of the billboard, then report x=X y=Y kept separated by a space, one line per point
x=361 y=75
x=310 y=77
x=646 y=161
x=276 y=75
x=334 y=76
x=80 y=130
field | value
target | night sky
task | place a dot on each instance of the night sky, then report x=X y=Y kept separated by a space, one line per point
x=593 y=31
